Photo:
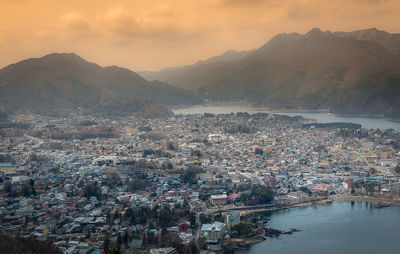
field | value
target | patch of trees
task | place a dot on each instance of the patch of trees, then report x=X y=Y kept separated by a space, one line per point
x=341 y=125
x=86 y=133
x=190 y=175
x=353 y=133
x=28 y=189
x=196 y=153
x=96 y=133
x=153 y=135
x=113 y=180
x=17 y=245
x=136 y=184
x=208 y=115
x=23 y=126
x=397 y=169
x=91 y=190
x=259 y=151
x=87 y=123
x=144 y=128
x=204 y=219
x=162 y=217
x=171 y=146
x=259 y=195
x=242 y=229
x=156 y=153
x=306 y=190
x=167 y=165
x=5 y=158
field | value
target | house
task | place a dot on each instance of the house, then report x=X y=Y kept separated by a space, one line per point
x=232 y=219
x=214 y=232
x=215 y=137
x=218 y=199
x=233 y=197
x=163 y=251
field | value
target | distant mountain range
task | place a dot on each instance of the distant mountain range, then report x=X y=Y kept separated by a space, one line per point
x=170 y=74
x=349 y=73
x=346 y=72
x=64 y=82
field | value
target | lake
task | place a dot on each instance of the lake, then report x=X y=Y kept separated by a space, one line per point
x=321 y=117
x=340 y=227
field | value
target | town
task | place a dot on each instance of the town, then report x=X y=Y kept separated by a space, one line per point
x=187 y=184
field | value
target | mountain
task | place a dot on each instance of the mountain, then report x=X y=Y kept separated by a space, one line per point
x=317 y=70
x=389 y=41
x=173 y=74
x=60 y=82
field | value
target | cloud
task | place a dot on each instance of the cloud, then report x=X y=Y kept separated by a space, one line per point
x=76 y=25
x=331 y=10
x=8 y=37
x=161 y=24
x=120 y=22
x=161 y=33
x=247 y=3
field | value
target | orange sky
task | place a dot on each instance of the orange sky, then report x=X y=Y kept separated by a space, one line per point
x=148 y=35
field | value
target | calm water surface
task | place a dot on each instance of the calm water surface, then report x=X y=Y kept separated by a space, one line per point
x=321 y=117
x=341 y=227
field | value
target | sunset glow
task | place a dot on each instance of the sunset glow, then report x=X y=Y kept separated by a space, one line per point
x=149 y=35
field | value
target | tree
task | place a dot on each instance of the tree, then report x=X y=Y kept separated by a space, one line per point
x=202 y=243
x=204 y=219
x=165 y=217
x=264 y=194
x=372 y=171
x=196 y=153
x=370 y=188
x=115 y=250
x=397 y=169
x=193 y=248
x=106 y=243
x=259 y=151
x=189 y=176
x=306 y=190
x=192 y=218
x=242 y=229
x=92 y=190
x=171 y=146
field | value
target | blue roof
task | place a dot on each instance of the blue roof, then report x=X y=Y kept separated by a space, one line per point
x=233 y=216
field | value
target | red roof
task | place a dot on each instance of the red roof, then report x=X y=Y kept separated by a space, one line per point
x=233 y=196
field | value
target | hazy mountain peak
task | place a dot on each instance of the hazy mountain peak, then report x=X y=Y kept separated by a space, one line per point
x=65 y=81
x=316 y=32
x=62 y=56
x=387 y=40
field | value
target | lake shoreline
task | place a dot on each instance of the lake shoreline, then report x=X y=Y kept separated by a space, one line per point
x=376 y=203
x=285 y=110
x=319 y=115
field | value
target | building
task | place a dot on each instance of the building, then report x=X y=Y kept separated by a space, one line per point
x=169 y=250
x=218 y=199
x=213 y=233
x=215 y=137
x=232 y=219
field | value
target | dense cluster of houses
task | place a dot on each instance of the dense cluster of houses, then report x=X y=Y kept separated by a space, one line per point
x=64 y=188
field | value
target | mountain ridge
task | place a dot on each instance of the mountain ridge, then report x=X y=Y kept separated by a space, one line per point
x=315 y=70
x=65 y=81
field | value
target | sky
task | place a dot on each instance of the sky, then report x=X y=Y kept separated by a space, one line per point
x=149 y=35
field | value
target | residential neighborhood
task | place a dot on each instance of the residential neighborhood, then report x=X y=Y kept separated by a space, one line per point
x=183 y=184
